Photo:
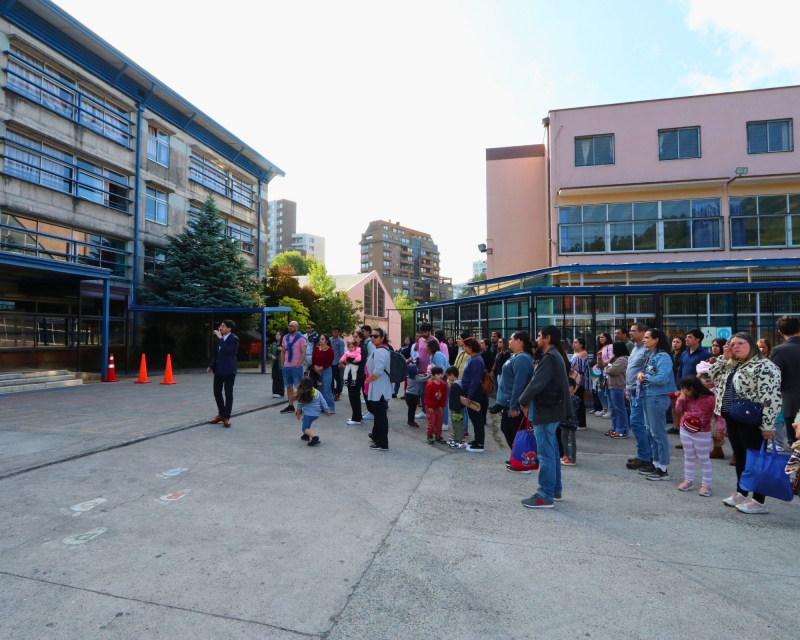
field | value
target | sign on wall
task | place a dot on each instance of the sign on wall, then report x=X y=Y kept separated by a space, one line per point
x=712 y=333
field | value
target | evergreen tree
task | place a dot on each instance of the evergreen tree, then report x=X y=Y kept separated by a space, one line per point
x=204 y=268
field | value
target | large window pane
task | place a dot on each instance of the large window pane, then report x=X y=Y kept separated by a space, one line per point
x=744 y=232
x=689 y=143
x=604 y=150
x=568 y=215
x=583 y=152
x=757 y=138
x=594 y=213
x=772 y=231
x=742 y=206
x=668 y=145
x=778 y=133
x=796 y=230
x=771 y=205
x=706 y=234
x=645 y=210
x=594 y=237
x=644 y=236
x=794 y=203
x=620 y=212
x=621 y=236
x=676 y=235
x=675 y=209
x=706 y=208
x=571 y=239
x=17 y=331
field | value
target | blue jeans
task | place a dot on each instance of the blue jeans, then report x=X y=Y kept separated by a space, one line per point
x=446 y=411
x=549 y=464
x=605 y=400
x=619 y=415
x=325 y=379
x=655 y=419
x=307 y=420
x=643 y=451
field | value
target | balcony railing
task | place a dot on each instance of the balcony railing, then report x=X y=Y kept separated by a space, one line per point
x=44 y=245
x=205 y=173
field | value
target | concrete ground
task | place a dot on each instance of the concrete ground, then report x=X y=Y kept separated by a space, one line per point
x=248 y=533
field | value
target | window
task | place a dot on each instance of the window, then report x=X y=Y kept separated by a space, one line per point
x=385 y=228
x=387 y=245
x=670 y=225
x=242 y=234
x=365 y=265
x=158 y=146
x=280 y=206
x=386 y=273
x=365 y=247
x=42 y=164
x=679 y=144
x=216 y=179
x=368 y=299
x=155 y=205
x=385 y=235
x=387 y=254
x=771 y=136
x=386 y=263
x=154 y=260
x=765 y=221
x=594 y=150
x=381 y=300
x=367 y=237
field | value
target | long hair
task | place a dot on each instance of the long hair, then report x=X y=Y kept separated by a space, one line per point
x=754 y=351
x=683 y=343
x=767 y=344
x=607 y=336
x=696 y=385
x=525 y=339
x=663 y=341
x=619 y=349
x=305 y=391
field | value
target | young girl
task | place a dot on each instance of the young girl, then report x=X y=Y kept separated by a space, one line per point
x=695 y=405
x=350 y=359
x=310 y=404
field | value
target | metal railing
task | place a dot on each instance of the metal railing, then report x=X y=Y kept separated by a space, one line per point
x=51 y=247
x=205 y=173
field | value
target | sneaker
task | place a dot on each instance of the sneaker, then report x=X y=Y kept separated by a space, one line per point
x=441 y=440
x=455 y=445
x=289 y=409
x=610 y=432
x=336 y=398
x=513 y=470
x=673 y=431
x=413 y=425
x=305 y=437
x=751 y=506
x=394 y=395
x=606 y=415
x=367 y=416
x=685 y=486
x=705 y=491
x=735 y=499
x=421 y=416
x=276 y=395
x=313 y=441
x=353 y=423
x=537 y=502
x=431 y=440
x=658 y=474
x=557 y=497
x=567 y=462
x=769 y=447
x=619 y=435
x=635 y=464
x=466 y=434
x=496 y=409
x=647 y=469
x=375 y=447
x=475 y=448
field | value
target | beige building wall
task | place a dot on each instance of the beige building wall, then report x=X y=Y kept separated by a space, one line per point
x=516 y=210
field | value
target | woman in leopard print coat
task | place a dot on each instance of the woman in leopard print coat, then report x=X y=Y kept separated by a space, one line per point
x=743 y=369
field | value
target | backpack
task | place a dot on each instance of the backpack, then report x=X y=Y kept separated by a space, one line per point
x=398 y=369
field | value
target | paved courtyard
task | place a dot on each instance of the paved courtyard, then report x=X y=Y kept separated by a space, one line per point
x=248 y=533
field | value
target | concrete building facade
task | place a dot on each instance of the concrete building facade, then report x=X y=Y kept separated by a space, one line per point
x=281 y=226
x=406 y=259
x=478 y=268
x=100 y=163
x=309 y=245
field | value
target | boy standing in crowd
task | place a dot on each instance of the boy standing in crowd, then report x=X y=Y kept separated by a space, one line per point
x=435 y=401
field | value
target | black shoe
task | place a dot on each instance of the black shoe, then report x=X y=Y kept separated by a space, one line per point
x=673 y=431
x=369 y=435
x=496 y=409
x=648 y=469
x=431 y=440
x=394 y=395
x=289 y=409
x=313 y=441
x=635 y=464
x=441 y=440
x=305 y=437
x=376 y=447
x=657 y=475
x=470 y=443
x=632 y=459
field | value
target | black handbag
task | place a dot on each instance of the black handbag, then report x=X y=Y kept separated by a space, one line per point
x=745 y=411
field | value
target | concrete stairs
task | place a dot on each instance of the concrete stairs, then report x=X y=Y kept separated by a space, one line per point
x=15 y=381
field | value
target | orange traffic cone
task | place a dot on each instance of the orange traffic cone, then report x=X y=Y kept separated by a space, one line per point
x=111 y=375
x=142 y=379
x=168 y=379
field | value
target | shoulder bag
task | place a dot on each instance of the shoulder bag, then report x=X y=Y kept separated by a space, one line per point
x=744 y=411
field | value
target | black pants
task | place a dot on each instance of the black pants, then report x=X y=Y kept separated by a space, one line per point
x=354 y=395
x=336 y=380
x=411 y=402
x=380 y=428
x=224 y=407
x=581 y=409
x=509 y=426
x=559 y=431
x=277 y=380
x=568 y=443
x=743 y=437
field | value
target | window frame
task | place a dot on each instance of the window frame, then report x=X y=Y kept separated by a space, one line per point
x=767 y=123
x=159 y=204
x=788 y=217
x=158 y=143
x=678 y=131
x=593 y=138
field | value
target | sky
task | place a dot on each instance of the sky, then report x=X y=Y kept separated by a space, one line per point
x=379 y=110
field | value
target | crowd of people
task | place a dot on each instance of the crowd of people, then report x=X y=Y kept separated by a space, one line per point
x=742 y=389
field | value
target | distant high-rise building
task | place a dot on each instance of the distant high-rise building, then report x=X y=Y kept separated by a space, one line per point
x=407 y=261
x=309 y=245
x=478 y=268
x=281 y=226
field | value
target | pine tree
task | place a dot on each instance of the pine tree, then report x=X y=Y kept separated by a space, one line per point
x=204 y=268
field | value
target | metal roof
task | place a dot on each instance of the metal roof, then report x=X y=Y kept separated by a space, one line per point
x=52 y=25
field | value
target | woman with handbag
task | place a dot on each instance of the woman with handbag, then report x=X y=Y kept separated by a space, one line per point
x=749 y=398
x=695 y=406
x=616 y=370
x=474 y=396
x=275 y=358
x=517 y=371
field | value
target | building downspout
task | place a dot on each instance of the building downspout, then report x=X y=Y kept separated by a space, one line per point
x=139 y=111
x=258 y=232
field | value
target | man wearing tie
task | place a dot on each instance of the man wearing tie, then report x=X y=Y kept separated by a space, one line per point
x=223 y=366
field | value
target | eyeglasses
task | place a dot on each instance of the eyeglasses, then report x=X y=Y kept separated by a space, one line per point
x=375 y=335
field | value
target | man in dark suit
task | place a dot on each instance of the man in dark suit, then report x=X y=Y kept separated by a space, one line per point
x=223 y=366
x=786 y=357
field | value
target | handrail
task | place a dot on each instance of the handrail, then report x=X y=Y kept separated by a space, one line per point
x=225 y=185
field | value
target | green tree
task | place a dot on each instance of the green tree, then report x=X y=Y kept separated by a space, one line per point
x=279 y=321
x=337 y=310
x=300 y=264
x=203 y=268
x=319 y=280
x=405 y=306
x=479 y=277
x=466 y=292
x=281 y=282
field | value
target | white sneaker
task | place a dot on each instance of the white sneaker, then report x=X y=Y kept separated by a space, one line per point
x=367 y=416
x=735 y=499
x=353 y=423
x=606 y=416
x=275 y=395
x=769 y=447
x=420 y=416
x=751 y=506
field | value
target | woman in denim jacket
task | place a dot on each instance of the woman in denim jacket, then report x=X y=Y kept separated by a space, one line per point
x=656 y=381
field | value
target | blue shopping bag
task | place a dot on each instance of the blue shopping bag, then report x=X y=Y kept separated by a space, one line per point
x=524 y=453
x=765 y=473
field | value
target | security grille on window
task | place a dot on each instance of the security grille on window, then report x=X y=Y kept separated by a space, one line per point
x=679 y=144
x=158 y=146
x=594 y=150
x=765 y=221
x=670 y=225
x=156 y=206
x=772 y=136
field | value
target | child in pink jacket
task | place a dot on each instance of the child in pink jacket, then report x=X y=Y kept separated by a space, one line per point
x=350 y=359
x=695 y=406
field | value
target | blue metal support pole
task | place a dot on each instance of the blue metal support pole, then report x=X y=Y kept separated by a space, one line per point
x=258 y=232
x=135 y=278
x=263 y=341
x=104 y=331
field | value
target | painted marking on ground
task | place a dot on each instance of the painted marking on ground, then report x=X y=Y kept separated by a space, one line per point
x=171 y=473
x=173 y=496
x=83 y=537
x=88 y=505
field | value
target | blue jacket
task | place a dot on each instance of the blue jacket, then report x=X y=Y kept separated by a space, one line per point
x=471 y=378
x=224 y=360
x=338 y=349
x=516 y=374
x=658 y=374
x=315 y=408
x=689 y=362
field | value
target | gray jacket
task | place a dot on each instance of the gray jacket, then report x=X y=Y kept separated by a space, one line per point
x=551 y=369
x=379 y=364
x=786 y=357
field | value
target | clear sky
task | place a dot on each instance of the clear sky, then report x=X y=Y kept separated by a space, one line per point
x=384 y=110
